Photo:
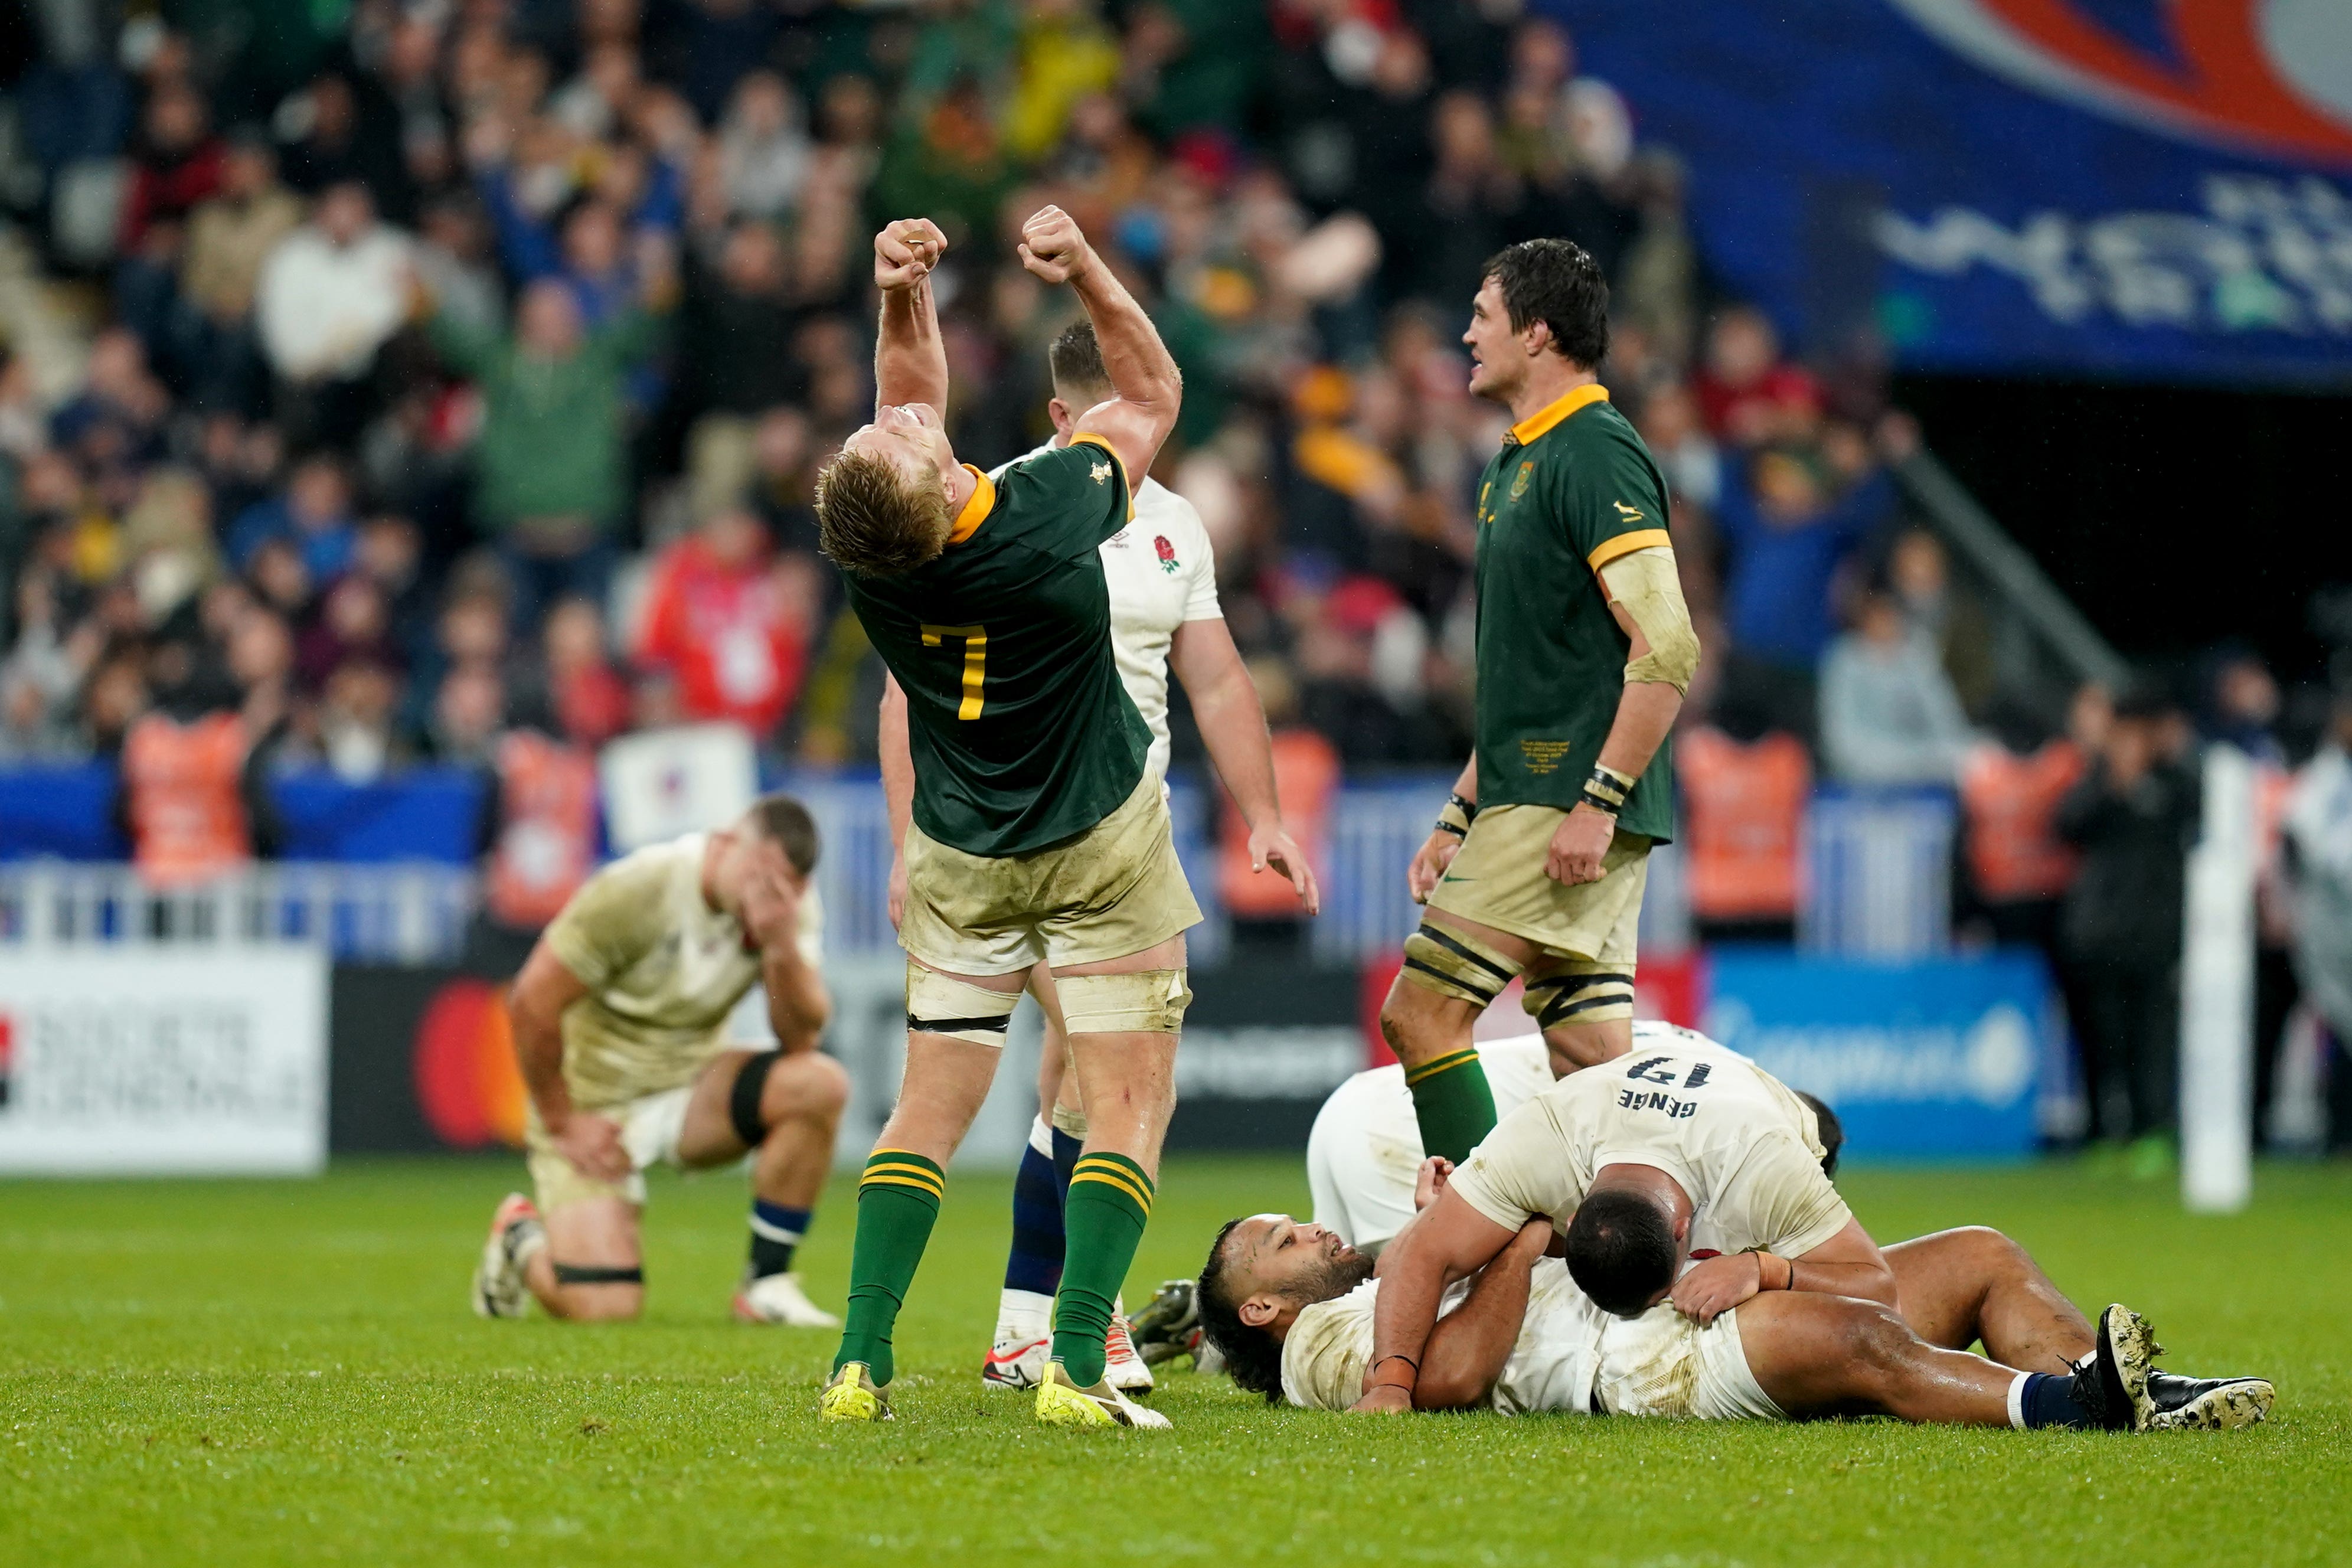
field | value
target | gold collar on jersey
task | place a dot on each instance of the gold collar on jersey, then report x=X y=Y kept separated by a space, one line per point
x=976 y=507
x=1527 y=430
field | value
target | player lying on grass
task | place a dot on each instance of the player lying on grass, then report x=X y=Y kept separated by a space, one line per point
x=619 y=1020
x=1364 y=1155
x=1161 y=574
x=1292 y=1309
x=1038 y=831
x=1735 y=1136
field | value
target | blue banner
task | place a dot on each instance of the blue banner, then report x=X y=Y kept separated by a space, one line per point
x=1934 y=1060
x=2117 y=188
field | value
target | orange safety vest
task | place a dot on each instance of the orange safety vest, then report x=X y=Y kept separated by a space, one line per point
x=547 y=828
x=187 y=816
x=2014 y=852
x=1305 y=777
x=1743 y=811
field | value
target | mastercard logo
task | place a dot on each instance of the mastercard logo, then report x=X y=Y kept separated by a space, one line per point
x=2270 y=75
x=467 y=1084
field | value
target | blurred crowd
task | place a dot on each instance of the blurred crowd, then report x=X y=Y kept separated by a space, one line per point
x=445 y=380
x=458 y=367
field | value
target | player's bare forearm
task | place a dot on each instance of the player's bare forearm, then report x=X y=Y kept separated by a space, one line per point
x=1447 y=1241
x=535 y=1005
x=910 y=361
x=1645 y=717
x=1141 y=370
x=897 y=762
x=1232 y=720
x=799 y=1007
x=1847 y=1264
x=1147 y=386
x=1468 y=1348
x=1465 y=783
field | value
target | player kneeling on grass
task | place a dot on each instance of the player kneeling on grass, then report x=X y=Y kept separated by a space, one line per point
x=619 y=1022
x=1291 y=1308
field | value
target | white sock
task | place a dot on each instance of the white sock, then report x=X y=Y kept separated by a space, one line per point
x=1041 y=1137
x=1022 y=1315
x=2017 y=1400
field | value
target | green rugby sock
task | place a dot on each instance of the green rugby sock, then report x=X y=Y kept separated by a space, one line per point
x=1452 y=1102
x=898 y=1202
x=1108 y=1204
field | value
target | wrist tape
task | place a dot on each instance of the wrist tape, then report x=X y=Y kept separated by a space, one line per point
x=1456 y=817
x=1606 y=790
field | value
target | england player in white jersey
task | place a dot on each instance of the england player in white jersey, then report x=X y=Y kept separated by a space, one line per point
x=1293 y=1311
x=1161 y=574
x=1364 y=1154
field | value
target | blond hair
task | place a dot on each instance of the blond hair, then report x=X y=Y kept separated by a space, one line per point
x=873 y=520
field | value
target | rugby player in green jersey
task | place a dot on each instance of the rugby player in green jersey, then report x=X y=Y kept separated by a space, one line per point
x=1038 y=832
x=1584 y=650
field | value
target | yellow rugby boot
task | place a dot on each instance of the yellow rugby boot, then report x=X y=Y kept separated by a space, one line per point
x=852 y=1395
x=1062 y=1403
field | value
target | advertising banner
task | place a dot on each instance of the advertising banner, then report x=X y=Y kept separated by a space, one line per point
x=145 y=1061
x=1932 y=1060
x=424 y=1059
x=2101 y=187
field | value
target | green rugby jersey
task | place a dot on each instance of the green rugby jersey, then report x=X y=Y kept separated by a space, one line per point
x=1572 y=488
x=1022 y=734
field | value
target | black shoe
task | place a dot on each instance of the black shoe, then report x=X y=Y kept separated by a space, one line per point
x=2111 y=1384
x=2206 y=1403
x=1169 y=1324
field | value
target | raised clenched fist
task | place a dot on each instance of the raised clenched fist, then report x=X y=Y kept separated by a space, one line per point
x=905 y=251
x=1052 y=248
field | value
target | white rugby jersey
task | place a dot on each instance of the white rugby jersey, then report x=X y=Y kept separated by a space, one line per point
x=1161 y=573
x=1745 y=1149
x=1364 y=1152
x=1551 y=1365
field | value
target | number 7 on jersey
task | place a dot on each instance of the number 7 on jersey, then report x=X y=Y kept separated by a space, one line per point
x=975 y=661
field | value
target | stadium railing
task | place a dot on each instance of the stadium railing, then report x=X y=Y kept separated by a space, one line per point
x=411 y=912
x=1878 y=871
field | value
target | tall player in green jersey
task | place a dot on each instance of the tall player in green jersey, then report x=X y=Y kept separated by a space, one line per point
x=1038 y=832
x=1584 y=650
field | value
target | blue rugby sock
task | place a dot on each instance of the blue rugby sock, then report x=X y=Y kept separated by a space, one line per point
x=776 y=1233
x=1034 y=1263
x=2046 y=1399
x=1067 y=1150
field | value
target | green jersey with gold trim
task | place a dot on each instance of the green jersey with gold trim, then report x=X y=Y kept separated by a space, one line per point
x=1021 y=731
x=1572 y=488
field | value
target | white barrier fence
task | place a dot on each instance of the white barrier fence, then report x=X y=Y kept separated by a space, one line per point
x=1878 y=871
x=414 y=912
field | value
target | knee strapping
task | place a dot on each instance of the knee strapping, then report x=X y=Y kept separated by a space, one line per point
x=1144 y=1002
x=1579 y=993
x=1069 y=1120
x=1455 y=964
x=941 y=1005
x=597 y=1273
x=744 y=1096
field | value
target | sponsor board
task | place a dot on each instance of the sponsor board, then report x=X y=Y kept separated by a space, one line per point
x=139 y=1061
x=1941 y=1060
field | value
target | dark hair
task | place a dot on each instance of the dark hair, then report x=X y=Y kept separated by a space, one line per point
x=787 y=823
x=1076 y=362
x=1557 y=282
x=873 y=521
x=1831 y=1130
x=1253 y=1356
x=1621 y=1250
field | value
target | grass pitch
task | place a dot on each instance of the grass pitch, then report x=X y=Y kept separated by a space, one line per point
x=286 y=1372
